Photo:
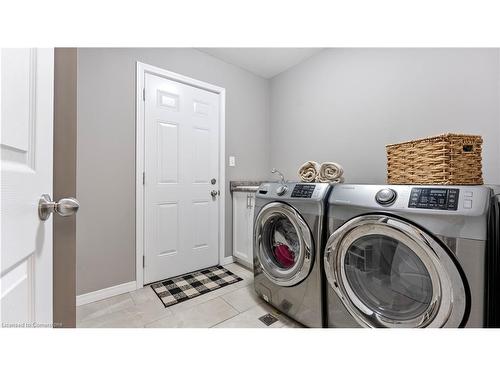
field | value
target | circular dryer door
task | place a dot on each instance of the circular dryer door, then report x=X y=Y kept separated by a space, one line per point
x=283 y=244
x=390 y=273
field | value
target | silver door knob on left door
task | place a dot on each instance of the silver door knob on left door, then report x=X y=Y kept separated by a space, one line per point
x=64 y=207
x=214 y=193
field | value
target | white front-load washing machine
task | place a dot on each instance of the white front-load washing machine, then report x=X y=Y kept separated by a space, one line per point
x=289 y=238
x=412 y=256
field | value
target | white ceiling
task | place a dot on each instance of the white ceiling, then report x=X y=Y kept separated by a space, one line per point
x=265 y=62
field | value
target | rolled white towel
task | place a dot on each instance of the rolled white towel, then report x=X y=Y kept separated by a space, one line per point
x=330 y=172
x=308 y=172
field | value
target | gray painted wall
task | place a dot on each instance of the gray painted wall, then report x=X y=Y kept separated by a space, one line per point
x=106 y=149
x=345 y=105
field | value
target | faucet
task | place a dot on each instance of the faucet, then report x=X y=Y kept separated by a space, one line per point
x=274 y=170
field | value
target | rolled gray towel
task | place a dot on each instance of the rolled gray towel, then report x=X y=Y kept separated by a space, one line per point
x=330 y=172
x=308 y=172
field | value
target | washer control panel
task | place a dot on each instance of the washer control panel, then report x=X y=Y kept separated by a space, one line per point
x=303 y=191
x=434 y=198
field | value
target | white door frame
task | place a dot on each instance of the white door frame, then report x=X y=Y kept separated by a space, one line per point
x=141 y=70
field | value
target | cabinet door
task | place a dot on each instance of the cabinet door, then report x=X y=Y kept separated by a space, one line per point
x=240 y=224
x=251 y=211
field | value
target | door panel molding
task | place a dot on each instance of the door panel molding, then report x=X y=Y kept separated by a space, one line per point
x=141 y=70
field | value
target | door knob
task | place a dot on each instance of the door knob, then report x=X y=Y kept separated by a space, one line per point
x=214 y=193
x=65 y=207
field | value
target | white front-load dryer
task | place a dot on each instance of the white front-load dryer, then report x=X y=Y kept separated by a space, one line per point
x=288 y=243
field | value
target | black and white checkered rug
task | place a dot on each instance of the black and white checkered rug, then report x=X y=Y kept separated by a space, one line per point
x=182 y=288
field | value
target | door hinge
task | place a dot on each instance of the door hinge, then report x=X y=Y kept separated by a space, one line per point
x=144 y=95
x=144 y=178
x=143 y=261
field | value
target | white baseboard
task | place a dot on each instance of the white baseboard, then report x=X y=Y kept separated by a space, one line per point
x=98 y=295
x=226 y=260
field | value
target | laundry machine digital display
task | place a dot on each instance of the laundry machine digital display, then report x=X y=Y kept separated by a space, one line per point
x=434 y=198
x=303 y=191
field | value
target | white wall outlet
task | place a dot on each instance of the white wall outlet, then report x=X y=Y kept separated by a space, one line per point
x=232 y=161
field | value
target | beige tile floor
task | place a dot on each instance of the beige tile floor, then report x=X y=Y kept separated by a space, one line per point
x=234 y=306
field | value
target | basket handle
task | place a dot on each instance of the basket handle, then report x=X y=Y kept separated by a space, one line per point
x=468 y=148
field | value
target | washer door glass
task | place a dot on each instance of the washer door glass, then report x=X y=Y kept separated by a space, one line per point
x=283 y=244
x=390 y=273
x=388 y=277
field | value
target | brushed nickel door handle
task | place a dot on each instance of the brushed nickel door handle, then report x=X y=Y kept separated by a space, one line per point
x=64 y=207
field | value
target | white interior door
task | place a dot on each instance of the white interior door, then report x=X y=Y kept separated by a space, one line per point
x=181 y=217
x=27 y=80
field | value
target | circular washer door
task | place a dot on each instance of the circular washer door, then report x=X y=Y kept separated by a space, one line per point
x=283 y=244
x=390 y=273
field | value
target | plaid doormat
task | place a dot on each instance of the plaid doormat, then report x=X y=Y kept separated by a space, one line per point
x=182 y=288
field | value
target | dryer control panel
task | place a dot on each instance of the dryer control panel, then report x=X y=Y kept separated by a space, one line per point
x=434 y=198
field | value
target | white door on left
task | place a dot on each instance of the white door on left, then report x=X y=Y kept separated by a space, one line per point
x=27 y=81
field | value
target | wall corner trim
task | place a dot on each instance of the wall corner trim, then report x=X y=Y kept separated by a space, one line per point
x=112 y=291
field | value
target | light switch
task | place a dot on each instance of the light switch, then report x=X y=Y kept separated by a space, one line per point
x=232 y=161
x=467 y=203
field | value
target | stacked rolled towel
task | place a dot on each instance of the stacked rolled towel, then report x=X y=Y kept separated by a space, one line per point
x=308 y=172
x=330 y=172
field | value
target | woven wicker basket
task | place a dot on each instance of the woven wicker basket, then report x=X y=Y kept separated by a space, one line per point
x=447 y=159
